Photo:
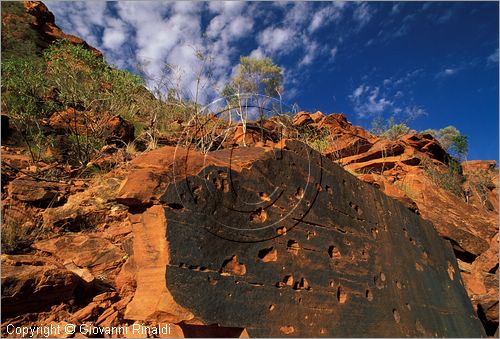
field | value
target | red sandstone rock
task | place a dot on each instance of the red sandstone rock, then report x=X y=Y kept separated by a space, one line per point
x=44 y=23
x=96 y=254
x=34 y=284
x=40 y=193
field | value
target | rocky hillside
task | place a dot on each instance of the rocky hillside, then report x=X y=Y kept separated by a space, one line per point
x=264 y=237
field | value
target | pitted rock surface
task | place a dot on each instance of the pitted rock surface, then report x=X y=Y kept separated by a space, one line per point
x=295 y=246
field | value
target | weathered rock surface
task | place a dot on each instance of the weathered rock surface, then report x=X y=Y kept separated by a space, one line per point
x=115 y=129
x=44 y=23
x=336 y=258
x=92 y=252
x=152 y=301
x=37 y=192
x=31 y=284
x=400 y=168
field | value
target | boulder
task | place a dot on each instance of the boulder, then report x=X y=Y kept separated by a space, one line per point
x=31 y=284
x=337 y=260
x=92 y=252
x=474 y=165
x=38 y=192
x=302 y=119
x=405 y=169
x=119 y=131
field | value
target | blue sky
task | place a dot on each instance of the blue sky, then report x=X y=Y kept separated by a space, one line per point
x=430 y=64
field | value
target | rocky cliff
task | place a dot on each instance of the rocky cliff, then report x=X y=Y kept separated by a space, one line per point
x=265 y=237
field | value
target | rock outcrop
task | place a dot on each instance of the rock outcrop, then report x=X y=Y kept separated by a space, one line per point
x=404 y=169
x=263 y=237
x=44 y=23
x=282 y=242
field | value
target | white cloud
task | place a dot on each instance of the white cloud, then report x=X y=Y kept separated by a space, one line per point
x=310 y=55
x=362 y=14
x=358 y=91
x=326 y=15
x=152 y=33
x=115 y=34
x=368 y=100
x=396 y=8
x=333 y=53
x=414 y=112
x=276 y=39
x=493 y=58
x=447 y=72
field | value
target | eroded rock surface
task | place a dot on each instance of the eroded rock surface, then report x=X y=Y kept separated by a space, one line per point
x=337 y=250
x=404 y=169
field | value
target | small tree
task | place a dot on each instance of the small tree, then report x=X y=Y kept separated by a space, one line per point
x=451 y=140
x=258 y=76
x=260 y=79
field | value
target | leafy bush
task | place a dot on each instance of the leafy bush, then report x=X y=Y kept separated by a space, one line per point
x=317 y=139
x=70 y=76
x=390 y=130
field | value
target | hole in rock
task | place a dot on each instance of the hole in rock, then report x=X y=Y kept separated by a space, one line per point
x=233 y=267
x=299 y=194
x=288 y=280
x=281 y=230
x=396 y=315
x=329 y=189
x=334 y=252
x=264 y=196
x=258 y=216
x=268 y=254
x=341 y=295
x=369 y=295
x=175 y=206
x=293 y=247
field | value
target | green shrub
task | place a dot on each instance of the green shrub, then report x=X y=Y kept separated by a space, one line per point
x=450 y=179
x=317 y=139
x=389 y=130
x=69 y=76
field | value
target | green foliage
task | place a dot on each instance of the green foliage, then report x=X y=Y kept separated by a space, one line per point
x=86 y=82
x=480 y=184
x=69 y=76
x=19 y=39
x=450 y=179
x=390 y=130
x=317 y=139
x=451 y=140
x=258 y=76
x=395 y=131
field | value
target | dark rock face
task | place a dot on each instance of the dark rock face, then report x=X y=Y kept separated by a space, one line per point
x=295 y=246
